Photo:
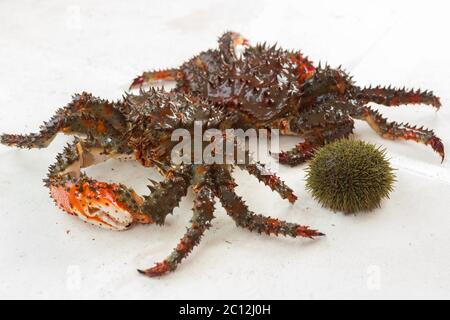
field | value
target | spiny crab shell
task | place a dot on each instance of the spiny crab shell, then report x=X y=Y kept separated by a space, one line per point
x=264 y=88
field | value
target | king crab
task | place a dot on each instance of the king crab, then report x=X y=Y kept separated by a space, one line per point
x=265 y=88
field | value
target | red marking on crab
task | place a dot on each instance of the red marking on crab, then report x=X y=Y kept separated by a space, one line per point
x=272 y=181
x=182 y=246
x=305 y=68
x=273 y=226
x=306 y=147
x=409 y=135
x=282 y=157
x=394 y=101
x=163 y=75
x=415 y=98
x=101 y=128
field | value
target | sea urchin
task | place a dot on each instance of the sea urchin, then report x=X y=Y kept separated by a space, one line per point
x=350 y=176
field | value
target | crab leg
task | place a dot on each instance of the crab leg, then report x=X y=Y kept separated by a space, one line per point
x=85 y=114
x=300 y=153
x=37 y=140
x=239 y=212
x=395 y=97
x=305 y=150
x=394 y=130
x=259 y=170
x=150 y=77
x=201 y=221
x=271 y=180
x=164 y=197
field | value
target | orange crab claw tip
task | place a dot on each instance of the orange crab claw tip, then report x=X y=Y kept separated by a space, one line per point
x=141 y=271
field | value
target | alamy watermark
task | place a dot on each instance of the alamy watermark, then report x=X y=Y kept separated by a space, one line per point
x=229 y=146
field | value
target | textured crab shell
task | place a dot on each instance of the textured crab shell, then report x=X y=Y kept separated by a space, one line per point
x=97 y=204
x=263 y=84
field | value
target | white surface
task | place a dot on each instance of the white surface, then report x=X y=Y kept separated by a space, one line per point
x=50 y=50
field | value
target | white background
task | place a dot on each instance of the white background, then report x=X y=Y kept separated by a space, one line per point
x=51 y=49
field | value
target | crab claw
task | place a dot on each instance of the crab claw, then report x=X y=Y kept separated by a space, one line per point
x=109 y=206
x=438 y=146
